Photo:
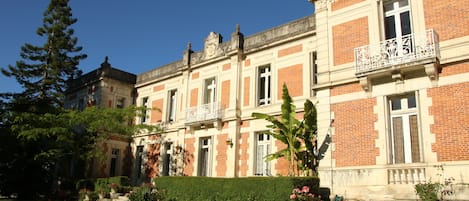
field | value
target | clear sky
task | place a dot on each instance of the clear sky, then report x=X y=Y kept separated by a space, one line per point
x=141 y=35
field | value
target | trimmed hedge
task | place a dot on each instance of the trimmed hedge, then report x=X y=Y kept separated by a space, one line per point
x=233 y=189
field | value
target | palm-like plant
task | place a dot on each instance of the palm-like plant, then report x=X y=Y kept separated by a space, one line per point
x=299 y=136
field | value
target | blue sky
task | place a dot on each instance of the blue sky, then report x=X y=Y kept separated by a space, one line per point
x=139 y=36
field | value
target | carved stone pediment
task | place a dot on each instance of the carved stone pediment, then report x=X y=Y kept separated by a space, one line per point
x=212 y=43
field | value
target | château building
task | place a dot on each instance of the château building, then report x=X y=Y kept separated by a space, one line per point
x=109 y=87
x=393 y=76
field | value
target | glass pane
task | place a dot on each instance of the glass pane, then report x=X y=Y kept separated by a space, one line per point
x=268 y=89
x=262 y=88
x=260 y=137
x=414 y=138
x=389 y=6
x=411 y=103
x=403 y=3
x=396 y=104
x=405 y=23
x=390 y=27
x=398 y=138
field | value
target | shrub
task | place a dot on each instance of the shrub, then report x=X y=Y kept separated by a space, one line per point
x=252 y=188
x=146 y=192
x=428 y=191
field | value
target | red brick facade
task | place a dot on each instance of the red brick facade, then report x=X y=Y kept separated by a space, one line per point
x=455 y=69
x=244 y=154
x=345 y=89
x=156 y=115
x=158 y=88
x=450 y=110
x=282 y=163
x=221 y=157
x=346 y=37
x=448 y=18
x=246 y=90
x=339 y=4
x=194 y=97
x=190 y=148
x=293 y=77
x=152 y=169
x=355 y=134
x=225 y=94
x=290 y=50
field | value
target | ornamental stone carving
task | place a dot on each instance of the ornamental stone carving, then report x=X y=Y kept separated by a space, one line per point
x=211 y=44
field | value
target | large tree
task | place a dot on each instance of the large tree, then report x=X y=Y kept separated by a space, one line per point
x=43 y=70
x=32 y=122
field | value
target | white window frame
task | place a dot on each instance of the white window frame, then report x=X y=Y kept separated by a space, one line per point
x=264 y=80
x=262 y=148
x=210 y=90
x=167 y=151
x=172 y=105
x=395 y=12
x=208 y=163
x=144 y=117
x=404 y=113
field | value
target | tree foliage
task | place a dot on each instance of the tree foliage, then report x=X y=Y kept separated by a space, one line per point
x=41 y=141
x=43 y=70
x=300 y=137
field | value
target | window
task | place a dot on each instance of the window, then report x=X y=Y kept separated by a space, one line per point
x=404 y=139
x=205 y=154
x=139 y=161
x=314 y=67
x=114 y=166
x=210 y=91
x=264 y=94
x=397 y=19
x=171 y=110
x=120 y=103
x=144 y=113
x=167 y=160
x=397 y=27
x=262 y=167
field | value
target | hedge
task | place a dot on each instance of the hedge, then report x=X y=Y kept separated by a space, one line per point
x=102 y=184
x=232 y=189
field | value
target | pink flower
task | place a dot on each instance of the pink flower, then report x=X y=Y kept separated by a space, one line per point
x=292 y=196
x=305 y=189
x=296 y=190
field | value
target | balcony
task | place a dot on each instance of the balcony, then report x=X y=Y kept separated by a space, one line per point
x=202 y=114
x=395 y=54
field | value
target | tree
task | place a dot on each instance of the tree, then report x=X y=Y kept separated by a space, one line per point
x=299 y=136
x=34 y=123
x=43 y=70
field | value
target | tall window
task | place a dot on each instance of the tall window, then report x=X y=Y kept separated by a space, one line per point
x=171 y=111
x=210 y=90
x=262 y=167
x=139 y=161
x=114 y=166
x=205 y=152
x=404 y=139
x=264 y=94
x=143 y=117
x=397 y=18
x=167 y=159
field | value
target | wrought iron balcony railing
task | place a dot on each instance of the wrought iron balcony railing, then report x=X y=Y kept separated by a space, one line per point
x=203 y=113
x=414 y=47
